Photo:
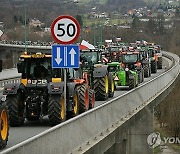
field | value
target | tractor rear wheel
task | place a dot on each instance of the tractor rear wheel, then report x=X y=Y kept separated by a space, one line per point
x=111 y=86
x=101 y=88
x=159 y=63
x=146 y=71
x=83 y=95
x=56 y=109
x=153 y=66
x=4 y=125
x=16 y=109
x=91 y=99
x=131 y=83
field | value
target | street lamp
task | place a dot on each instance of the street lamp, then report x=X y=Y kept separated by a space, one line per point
x=100 y=36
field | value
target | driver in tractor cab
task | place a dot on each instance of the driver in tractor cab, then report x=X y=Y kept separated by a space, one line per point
x=40 y=71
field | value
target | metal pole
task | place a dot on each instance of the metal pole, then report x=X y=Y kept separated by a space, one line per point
x=101 y=37
x=65 y=89
x=94 y=35
x=25 y=36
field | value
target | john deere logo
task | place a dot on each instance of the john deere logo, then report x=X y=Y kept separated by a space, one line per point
x=154 y=140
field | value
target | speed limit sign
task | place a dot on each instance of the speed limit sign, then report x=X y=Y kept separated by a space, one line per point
x=65 y=29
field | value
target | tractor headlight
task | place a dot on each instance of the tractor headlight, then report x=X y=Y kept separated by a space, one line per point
x=126 y=69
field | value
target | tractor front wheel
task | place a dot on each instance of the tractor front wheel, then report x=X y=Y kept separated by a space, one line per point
x=146 y=71
x=159 y=63
x=101 y=88
x=16 y=109
x=75 y=110
x=91 y=99
x=131 y=83
x=56 y=109
x=111 y=86
x=4 y=125
x=153 y=66
x=83 y=95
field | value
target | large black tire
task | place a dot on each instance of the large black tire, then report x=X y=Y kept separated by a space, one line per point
x=142 y=75
x=16 y=110
x=32 y=118
x=75 y=109
x=111 y=86
x=159 y=63
x=83 y=95
x=153 y=67
x=56 y=109
x=146 y=71
x=131 y=83
x=4 y=125
x=91 y=98
x=101 y=88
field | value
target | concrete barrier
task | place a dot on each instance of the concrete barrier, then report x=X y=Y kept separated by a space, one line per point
x=66 y=137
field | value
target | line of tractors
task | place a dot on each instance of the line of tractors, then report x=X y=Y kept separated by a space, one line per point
x=101 y=72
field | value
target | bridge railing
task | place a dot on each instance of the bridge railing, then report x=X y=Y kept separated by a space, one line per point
x=71 y=134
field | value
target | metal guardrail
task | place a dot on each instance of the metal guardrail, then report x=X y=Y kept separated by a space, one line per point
x=28 y=46
x=68 y=136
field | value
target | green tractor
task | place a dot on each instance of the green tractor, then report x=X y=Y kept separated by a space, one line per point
x=98 y=75
x=132 y=60
x=154 y=59
x=123 y=77
x=41 y=91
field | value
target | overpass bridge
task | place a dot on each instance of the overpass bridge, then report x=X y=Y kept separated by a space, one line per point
x=120 y=125
x=12 y=52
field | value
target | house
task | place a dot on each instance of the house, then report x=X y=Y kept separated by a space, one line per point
x=35 y=23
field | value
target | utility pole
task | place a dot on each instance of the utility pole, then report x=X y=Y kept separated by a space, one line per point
x=25 y=30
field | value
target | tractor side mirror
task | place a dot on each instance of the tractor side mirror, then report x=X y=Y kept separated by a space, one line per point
x=0 y=65
x=20 y=67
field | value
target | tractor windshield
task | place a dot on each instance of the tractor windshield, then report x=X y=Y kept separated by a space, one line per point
x=39 y=68
x=116 y=49
x=89 y=57
x=151 y=52
x=129 y=58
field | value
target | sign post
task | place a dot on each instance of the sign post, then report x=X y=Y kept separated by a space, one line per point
x=65 y=30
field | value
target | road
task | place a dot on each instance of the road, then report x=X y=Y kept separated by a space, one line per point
x=29 y=129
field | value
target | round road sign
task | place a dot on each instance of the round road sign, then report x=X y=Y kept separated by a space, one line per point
x=65 y=29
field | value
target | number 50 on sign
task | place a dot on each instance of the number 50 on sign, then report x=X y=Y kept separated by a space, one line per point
x=65 y=29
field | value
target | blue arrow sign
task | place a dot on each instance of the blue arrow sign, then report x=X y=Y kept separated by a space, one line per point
x=65 y=56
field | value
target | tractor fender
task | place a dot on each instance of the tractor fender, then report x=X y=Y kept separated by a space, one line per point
x=55 y=87
x=12 y=88
x=100 y=71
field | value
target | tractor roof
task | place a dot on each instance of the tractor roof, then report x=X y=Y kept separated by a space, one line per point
x=113 y=64
x=35 y=55
x=130 y=53
x=91 y=50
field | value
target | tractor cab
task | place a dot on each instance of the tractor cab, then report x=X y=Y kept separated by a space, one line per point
x=89 y=57
x=130 y=59
x=36 y=69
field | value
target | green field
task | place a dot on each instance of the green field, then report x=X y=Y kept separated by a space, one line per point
x=101 y=21
x=87 y=1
